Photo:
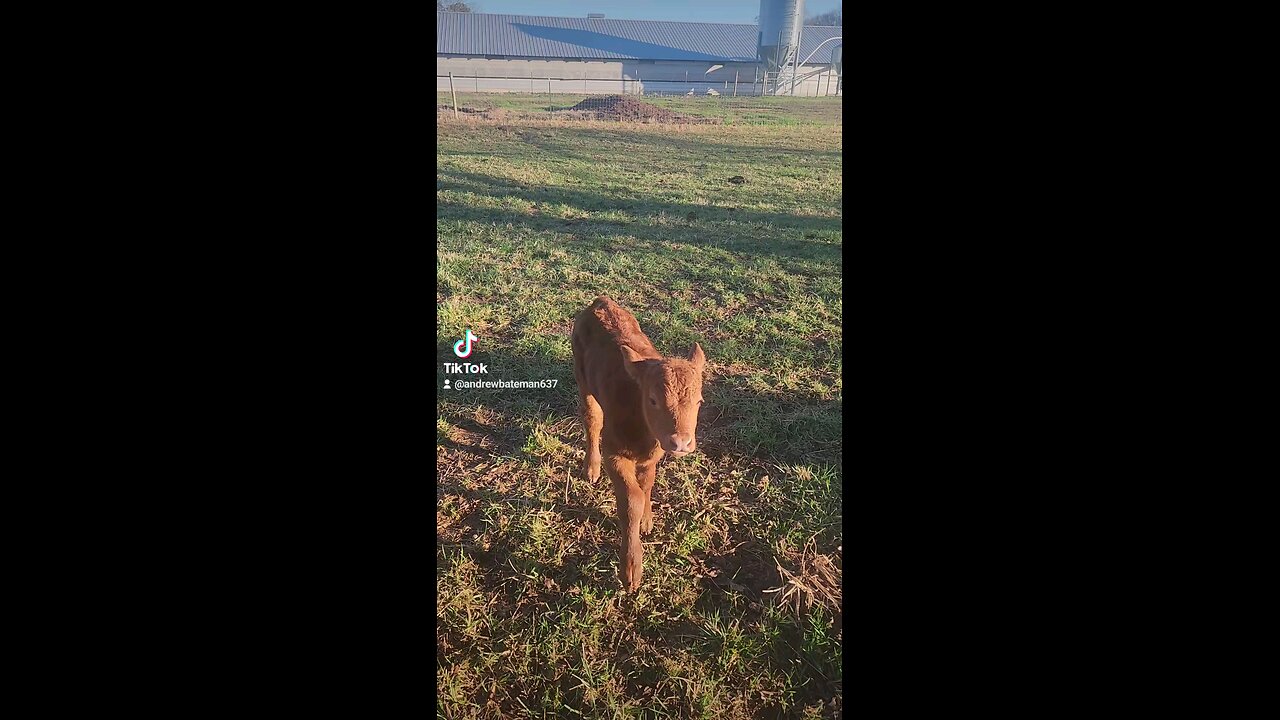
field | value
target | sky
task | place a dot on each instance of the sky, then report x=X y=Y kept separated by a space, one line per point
x=721 y=11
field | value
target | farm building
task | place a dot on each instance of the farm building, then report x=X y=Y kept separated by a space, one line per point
x=520 y=53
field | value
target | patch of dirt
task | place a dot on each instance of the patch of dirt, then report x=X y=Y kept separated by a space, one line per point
x=469 y=441
x=713 y=416
x=629 y=109
x=461 y=522
x=745 y=573
x=463 y=109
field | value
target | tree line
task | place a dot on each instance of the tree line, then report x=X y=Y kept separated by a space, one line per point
x=833 y=18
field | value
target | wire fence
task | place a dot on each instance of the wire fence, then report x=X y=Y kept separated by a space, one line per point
x=809 y=82
x=627 y=100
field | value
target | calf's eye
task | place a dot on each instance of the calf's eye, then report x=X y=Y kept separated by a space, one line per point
x=653 y=402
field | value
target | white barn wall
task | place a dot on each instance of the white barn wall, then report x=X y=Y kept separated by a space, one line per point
x=489 y=67
x=484 y=74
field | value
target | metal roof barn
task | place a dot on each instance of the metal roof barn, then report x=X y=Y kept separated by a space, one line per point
x=526 y=36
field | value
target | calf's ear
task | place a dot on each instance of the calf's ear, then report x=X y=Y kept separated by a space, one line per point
x=633 y=362
x=698 y=359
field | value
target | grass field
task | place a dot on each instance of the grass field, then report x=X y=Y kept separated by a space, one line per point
x=533 y=222
x=730 y=110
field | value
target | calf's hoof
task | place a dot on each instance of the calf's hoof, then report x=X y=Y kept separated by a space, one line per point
x=646 y=524
x=591 y=469
x=630 y=570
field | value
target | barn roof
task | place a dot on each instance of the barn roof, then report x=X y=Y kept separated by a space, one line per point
x=563 y=37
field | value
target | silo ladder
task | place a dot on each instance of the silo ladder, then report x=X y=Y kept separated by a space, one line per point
x=785 y=73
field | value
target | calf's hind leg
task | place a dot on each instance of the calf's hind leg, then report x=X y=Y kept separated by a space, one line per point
x=593 y=419
x=645 y=475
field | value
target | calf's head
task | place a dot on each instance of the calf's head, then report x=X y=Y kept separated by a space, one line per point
x=670 y=393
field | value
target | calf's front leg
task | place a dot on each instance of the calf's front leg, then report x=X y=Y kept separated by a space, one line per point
x=631 y=508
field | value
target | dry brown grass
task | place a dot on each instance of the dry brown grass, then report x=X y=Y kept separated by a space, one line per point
x=816 y=580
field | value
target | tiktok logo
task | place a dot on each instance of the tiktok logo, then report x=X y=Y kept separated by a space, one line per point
x=457 y=347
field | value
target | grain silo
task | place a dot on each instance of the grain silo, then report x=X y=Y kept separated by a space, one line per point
x=779 y=38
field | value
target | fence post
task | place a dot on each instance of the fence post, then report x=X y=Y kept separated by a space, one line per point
x=455 y=97
x=735 y=83
x=477 y=79
x=548 y=87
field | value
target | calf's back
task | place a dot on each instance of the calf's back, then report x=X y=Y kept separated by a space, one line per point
x=599 y=332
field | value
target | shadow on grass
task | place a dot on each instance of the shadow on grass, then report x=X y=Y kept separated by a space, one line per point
x=686 y=223
x=623 y=236
x=677 y=144
x=629 y=200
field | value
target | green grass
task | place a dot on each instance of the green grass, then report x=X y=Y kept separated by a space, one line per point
x=534 y=221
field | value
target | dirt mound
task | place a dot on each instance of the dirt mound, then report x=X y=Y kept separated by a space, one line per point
x=622 y=107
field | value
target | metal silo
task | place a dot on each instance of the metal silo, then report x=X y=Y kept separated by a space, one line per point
x=779 y=38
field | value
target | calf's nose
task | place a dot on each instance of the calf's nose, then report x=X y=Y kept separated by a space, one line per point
x=682 y=443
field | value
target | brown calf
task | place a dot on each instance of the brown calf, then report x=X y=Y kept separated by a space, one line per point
x=637 y=406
